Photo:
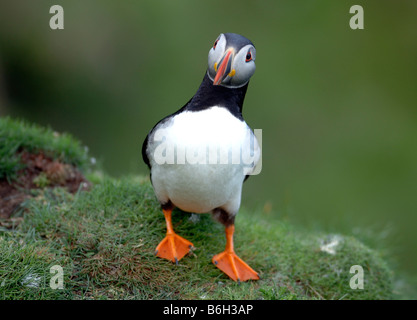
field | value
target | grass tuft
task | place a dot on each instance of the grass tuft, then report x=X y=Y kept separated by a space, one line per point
x=18 y=135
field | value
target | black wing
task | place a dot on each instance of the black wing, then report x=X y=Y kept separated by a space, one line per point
x=145 y=143
x=144 y=155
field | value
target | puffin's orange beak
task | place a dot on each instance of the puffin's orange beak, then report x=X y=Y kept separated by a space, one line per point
x=224 y=68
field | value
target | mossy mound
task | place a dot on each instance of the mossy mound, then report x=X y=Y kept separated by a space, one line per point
x=104 y=239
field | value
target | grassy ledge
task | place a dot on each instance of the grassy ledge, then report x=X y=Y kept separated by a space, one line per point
x=33 y=157
x=17 y=135
x=105 y=238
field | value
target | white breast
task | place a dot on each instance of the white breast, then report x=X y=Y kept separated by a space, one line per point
x=199 y=160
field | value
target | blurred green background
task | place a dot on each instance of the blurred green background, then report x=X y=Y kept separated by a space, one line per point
x=337 y=106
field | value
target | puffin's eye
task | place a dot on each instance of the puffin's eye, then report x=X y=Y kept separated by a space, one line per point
x=248 y=56
x=215 y=44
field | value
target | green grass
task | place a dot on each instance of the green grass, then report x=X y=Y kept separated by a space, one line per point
x=18 y=135
x=104 y=240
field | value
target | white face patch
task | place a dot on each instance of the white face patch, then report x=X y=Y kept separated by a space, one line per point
x=215 y=54
x=243 y=69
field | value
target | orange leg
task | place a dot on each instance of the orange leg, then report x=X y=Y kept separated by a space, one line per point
x=231 y=264
x=172 y=247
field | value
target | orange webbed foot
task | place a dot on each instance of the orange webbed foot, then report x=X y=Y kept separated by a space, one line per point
x=230 y=263
x=173 y=247
x=234 y=267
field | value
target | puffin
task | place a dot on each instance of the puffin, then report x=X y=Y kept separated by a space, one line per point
x=200 y=155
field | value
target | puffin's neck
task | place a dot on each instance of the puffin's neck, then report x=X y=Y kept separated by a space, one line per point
x=209 y=95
